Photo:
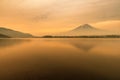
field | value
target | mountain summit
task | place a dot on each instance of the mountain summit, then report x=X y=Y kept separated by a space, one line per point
x=84 y=27
x=84 y=30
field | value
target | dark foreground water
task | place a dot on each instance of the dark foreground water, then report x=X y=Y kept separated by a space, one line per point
x=59 y=59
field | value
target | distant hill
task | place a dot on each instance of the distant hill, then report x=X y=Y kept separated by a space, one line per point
x=85 y=30
x=4 y=36
x=14 y=34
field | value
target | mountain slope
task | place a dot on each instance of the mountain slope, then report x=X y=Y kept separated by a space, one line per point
x=85 y=27
x=4 y=36
x=14 y=34
x=84 y=30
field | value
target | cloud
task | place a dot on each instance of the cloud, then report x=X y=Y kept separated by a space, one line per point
x=113 y=25
x=87 y=10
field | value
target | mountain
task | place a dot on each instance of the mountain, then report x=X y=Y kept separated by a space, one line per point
x=84 y=30
x=85 y=27
x=14 y=34
x=4 y=36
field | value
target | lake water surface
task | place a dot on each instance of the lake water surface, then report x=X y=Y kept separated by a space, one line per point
x=59 y=59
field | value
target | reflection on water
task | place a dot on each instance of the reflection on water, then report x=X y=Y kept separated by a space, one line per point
x=11 y=42
x=60 y=59
x=86 y=46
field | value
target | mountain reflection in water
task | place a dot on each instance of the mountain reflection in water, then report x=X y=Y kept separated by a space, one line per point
x=59 y=59
x=12 y=42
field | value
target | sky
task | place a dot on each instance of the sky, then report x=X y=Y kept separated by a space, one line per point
x=40 y=17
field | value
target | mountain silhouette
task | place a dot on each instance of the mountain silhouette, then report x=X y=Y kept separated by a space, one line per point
x=14 y=34
x=85 y=30
x=4 y=36
x=85 y=27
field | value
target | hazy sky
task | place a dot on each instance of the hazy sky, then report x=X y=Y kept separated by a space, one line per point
x=46 y=16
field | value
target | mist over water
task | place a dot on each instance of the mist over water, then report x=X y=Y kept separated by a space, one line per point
x=59 y=59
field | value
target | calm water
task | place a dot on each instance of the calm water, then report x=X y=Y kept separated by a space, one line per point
x=59 y=59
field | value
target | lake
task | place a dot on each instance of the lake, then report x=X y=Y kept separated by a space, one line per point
x=60 y=59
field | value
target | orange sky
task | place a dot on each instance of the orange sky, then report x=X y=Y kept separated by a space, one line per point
x=51 y=16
